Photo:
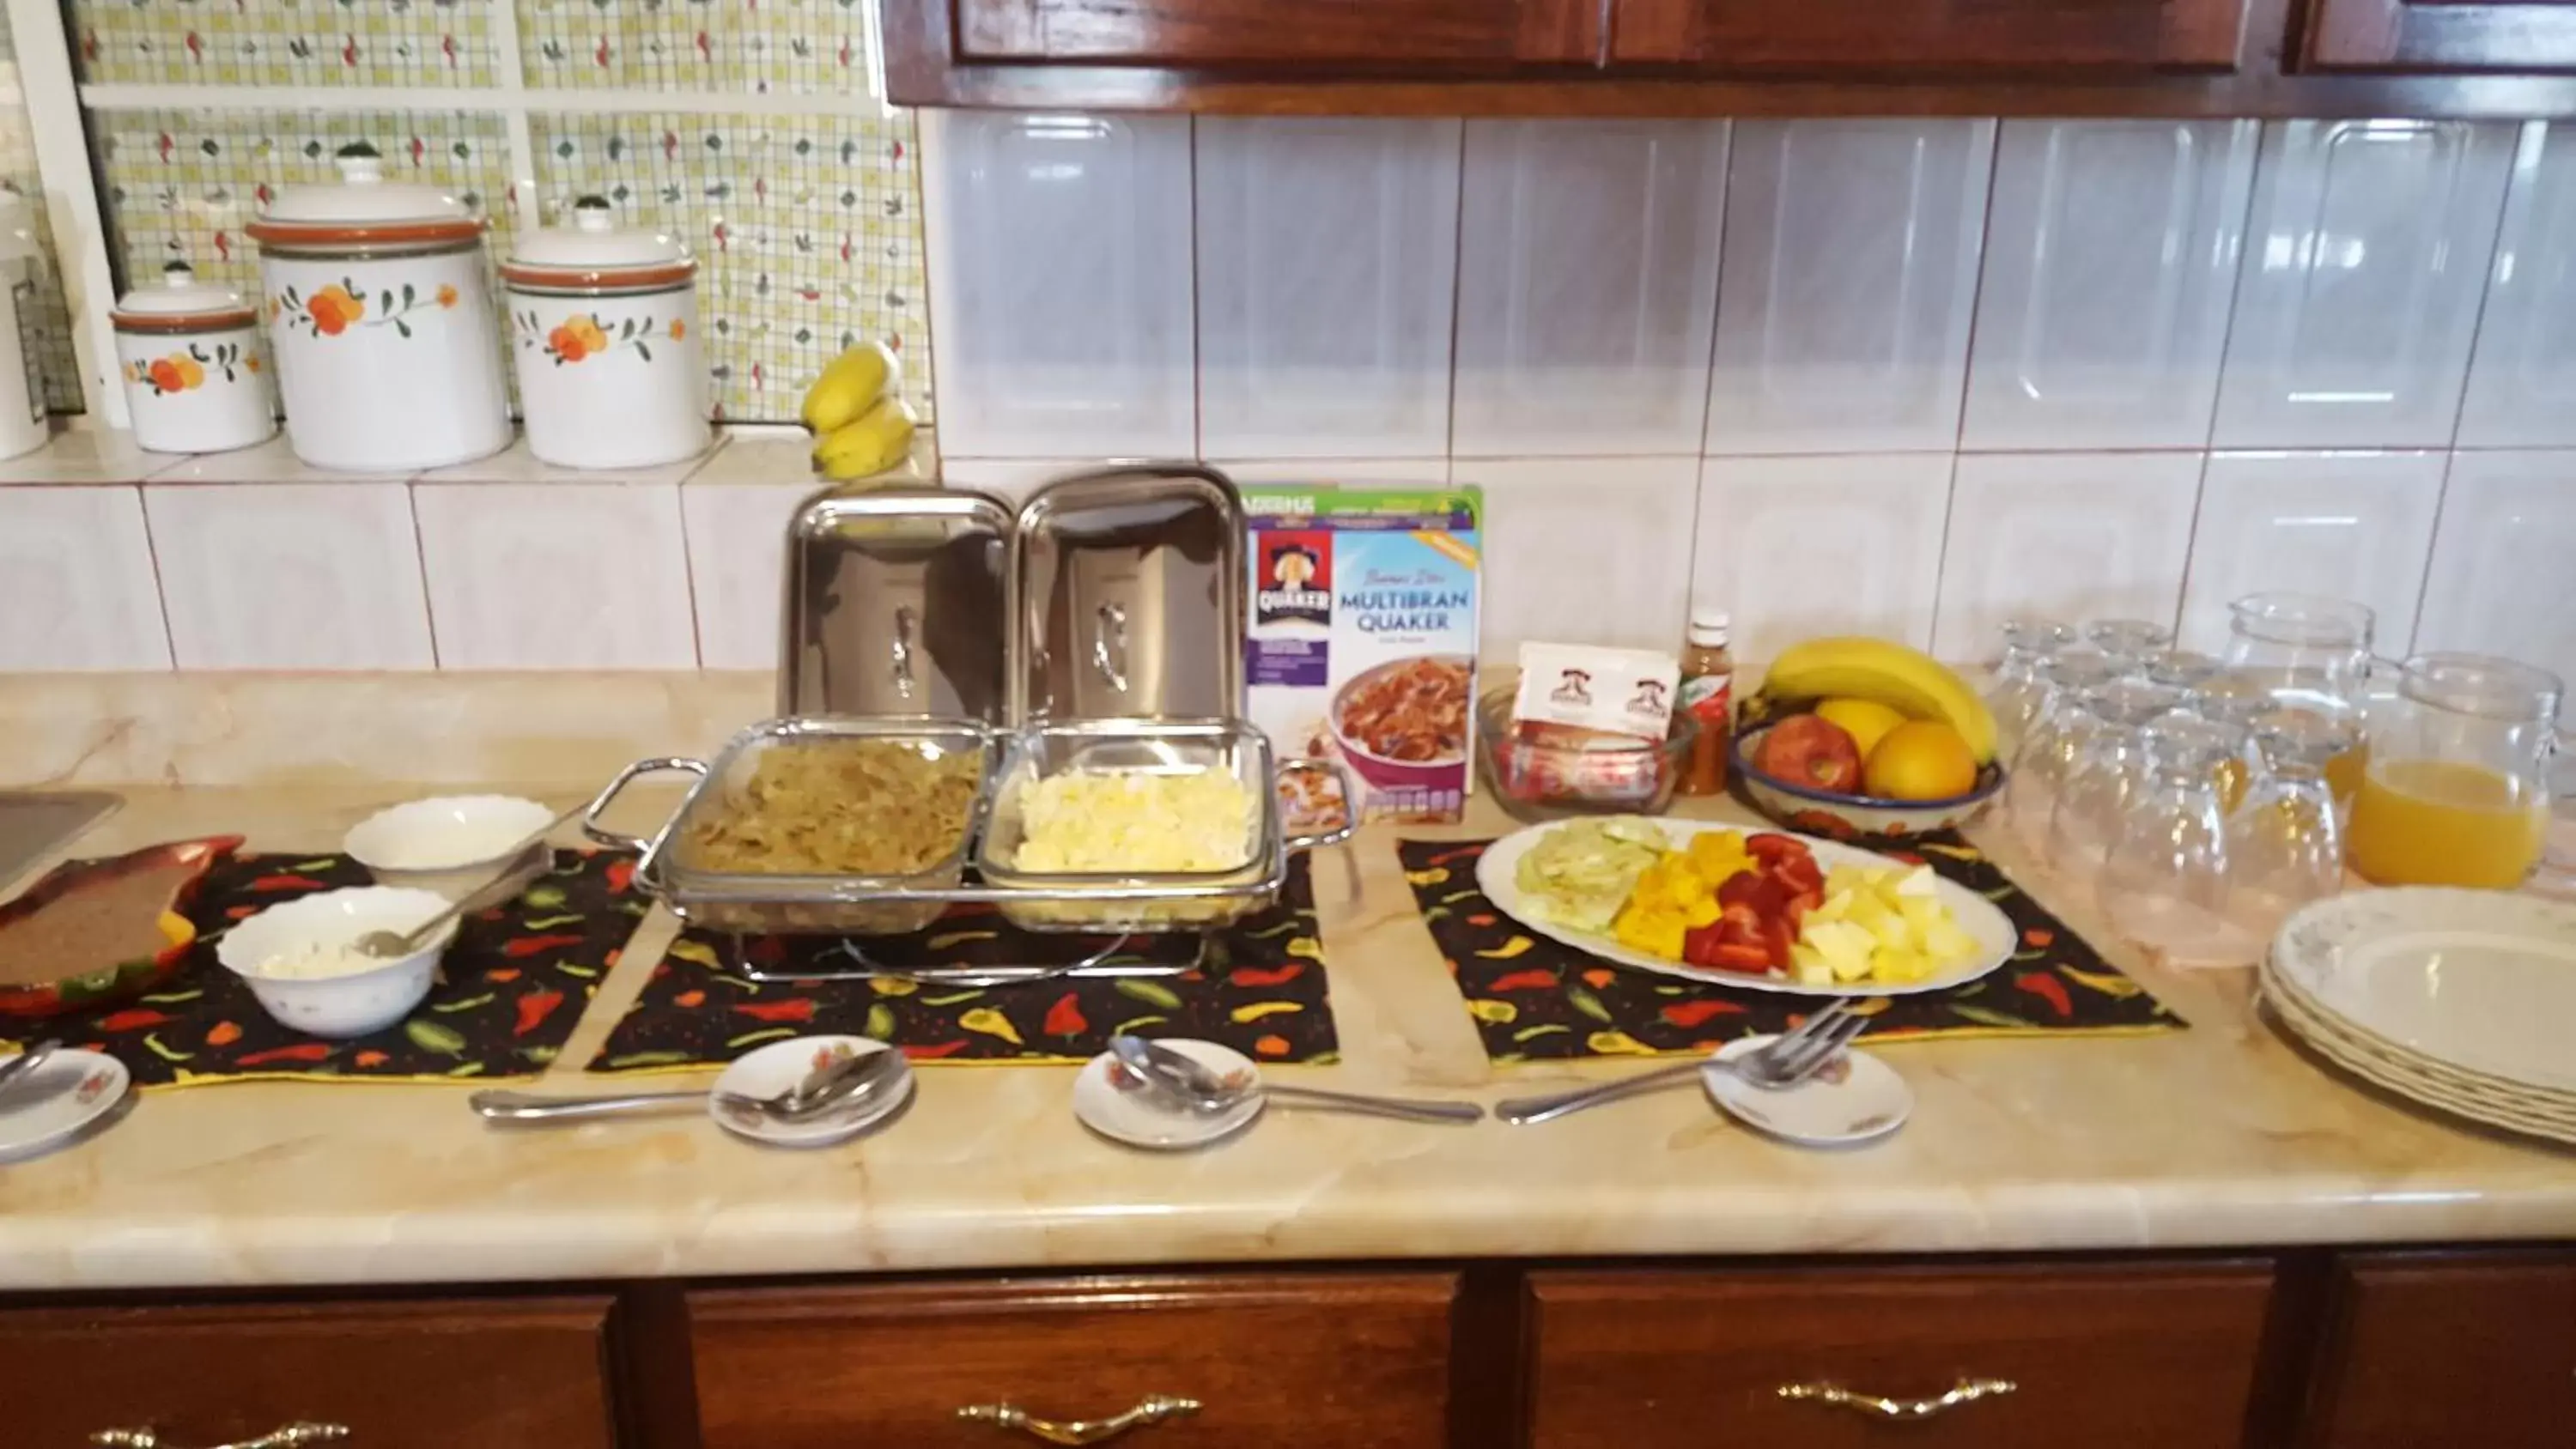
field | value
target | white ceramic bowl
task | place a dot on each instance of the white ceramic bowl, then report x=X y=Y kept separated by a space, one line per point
x=450 y=844
x=337 y=1006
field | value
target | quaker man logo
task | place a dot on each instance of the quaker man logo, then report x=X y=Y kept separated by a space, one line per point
x=1649 y=698
x=1573 y=686
x=1295 y=582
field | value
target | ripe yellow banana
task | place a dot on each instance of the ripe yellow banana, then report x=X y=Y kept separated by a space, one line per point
x=850 y=386
x=879 y=439
x=1909 y=681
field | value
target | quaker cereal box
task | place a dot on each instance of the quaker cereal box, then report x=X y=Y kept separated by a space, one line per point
x=1361 y=647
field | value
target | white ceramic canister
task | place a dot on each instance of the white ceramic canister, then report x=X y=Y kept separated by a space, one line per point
x=190 y=355
x=388 y=354
x=604 y=327
x=23 y=427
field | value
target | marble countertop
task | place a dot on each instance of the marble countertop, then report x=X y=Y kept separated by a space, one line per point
x=2221 y=1135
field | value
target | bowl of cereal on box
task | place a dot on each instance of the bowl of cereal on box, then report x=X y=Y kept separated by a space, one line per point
x=1403 y=724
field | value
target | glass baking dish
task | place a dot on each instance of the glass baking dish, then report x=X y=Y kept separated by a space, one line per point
x=1145 y=900
x=754 y=902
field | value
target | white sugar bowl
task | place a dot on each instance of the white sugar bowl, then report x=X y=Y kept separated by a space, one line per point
x=388 y=353
x=604 y=331
x=190 y=356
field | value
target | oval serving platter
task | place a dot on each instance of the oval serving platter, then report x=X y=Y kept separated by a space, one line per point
x=1976 y=915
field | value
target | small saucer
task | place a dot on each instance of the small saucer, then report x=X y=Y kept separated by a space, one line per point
x=1130 y=1116
x=781 y=1065
x=64 y=1097
x=1856 y=1099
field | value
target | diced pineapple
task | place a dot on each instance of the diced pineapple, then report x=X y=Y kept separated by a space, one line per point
x=1922 y=912
x=1920 y=881
x=1808 y=966
x=1843 y=946
x=1949 y=943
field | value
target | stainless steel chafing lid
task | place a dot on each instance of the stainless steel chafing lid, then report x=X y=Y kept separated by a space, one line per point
x=1130 y=597
x=897 y=606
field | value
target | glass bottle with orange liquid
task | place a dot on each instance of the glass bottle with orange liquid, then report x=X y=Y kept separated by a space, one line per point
x=2456 y=790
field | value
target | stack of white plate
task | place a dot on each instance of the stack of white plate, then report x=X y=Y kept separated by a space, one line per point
x=2461 y=1000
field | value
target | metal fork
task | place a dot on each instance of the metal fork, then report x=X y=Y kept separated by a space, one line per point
x=1783 y=1062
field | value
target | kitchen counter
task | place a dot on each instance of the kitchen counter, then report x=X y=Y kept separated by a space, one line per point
x=2221 y=1135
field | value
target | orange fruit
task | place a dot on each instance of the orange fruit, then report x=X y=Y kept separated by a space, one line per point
x=1920 y=760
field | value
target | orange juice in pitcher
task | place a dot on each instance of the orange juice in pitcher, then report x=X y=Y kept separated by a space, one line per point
x=2456 y=789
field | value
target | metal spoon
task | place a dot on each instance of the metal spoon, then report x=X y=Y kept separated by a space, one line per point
x=1785 y=1062
x=1187 y=1082
x=838 y=1083
x=20 y=1070
x=388 y=945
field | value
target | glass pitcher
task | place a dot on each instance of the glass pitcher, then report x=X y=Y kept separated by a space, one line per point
x=2456 y=790
x=2308 y=652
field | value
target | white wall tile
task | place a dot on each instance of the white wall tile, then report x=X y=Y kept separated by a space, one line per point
x=77 y=589
x=292 y=575
x=2365 y=257
x=1584 y=550
x=2346 y=525
x=2522 y=380
x=2111 y=251
x=1587 y=282
x=2069 y=536
x=1013 y=479
x=1850 y=281
x=2499 y=579
x=1327 y=270
x=1060 y=245
x=1797 y=547
x=557 y=575
x=737 y=536
x=82 y=453
x=1348 y=472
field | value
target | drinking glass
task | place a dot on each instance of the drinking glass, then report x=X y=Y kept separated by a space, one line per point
x=2129 y=641
x=2048 y=751
x=2284 y=846
x=2164 y=883
x=2016 y=694
x=2108 y=771
x=2181 y=668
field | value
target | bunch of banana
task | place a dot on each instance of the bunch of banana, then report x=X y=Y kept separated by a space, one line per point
x=1909 y=681
x=857 y=414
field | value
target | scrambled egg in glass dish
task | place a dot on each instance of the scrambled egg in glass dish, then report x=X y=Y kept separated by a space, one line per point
x=1134 y=824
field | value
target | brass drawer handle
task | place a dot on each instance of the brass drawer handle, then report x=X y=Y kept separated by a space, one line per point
x=1154 y=1410
x=293 y=1436
x=1966 y=1391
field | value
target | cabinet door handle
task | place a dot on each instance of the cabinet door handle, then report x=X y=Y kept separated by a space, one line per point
x=291 y=1436
x=1154 y=1409
x=1965 y=1391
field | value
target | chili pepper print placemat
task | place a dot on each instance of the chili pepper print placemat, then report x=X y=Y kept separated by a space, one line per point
x=1536 y=999
x=1261 y=993
x=509 y=992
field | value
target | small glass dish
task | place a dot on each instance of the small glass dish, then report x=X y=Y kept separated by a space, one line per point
x=1540 y=781
x=1143 y=900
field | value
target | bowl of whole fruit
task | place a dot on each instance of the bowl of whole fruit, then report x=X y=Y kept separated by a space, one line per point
x=1864 y=738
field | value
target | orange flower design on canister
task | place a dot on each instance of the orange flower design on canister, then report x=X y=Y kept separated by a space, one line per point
x=576 y=339
x=446 y=295
x=333 y=309
x=679 y=329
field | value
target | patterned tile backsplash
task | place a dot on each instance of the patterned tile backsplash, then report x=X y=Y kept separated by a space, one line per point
x=760 y=46
x=50 y=328
x=285 y=42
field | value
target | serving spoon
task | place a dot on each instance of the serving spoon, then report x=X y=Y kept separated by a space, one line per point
x=19 y=1070
x=836 y=1084
x=388 y=945
x=1186 y=1082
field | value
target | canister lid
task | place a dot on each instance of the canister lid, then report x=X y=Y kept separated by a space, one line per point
x=365 y=212
x=592 y=253
x=181 y=303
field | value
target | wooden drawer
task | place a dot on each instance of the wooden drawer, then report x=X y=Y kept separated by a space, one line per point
x=436 y=1374
x=2447 y=1348
x=1358 y=1361
x=2150 y=1355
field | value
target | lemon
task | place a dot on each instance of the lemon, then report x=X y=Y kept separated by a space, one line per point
x=1866 y=720
x=1920 y=760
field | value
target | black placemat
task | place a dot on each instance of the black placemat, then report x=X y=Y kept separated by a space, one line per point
x=1262 y=992
x=1536 y=999
x=509 y=993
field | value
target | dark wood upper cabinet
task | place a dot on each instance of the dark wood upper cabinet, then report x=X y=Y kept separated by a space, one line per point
x=1900 y=36
x=2411 y=35
x=1226 y=33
